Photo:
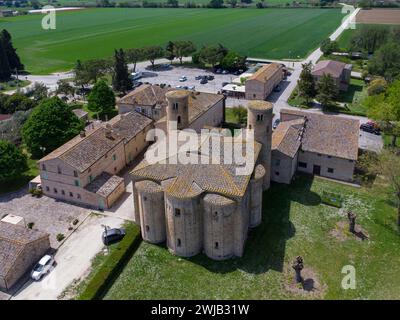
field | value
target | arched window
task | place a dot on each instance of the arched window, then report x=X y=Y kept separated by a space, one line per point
x=179 y=119
x=175 y=106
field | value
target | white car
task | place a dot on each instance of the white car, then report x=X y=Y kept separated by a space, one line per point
x=43 y=267
x=183 y=79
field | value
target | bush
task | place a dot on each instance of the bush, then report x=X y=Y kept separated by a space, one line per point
x=30 y=225
x=60 y=237
x=36 y=192
x=332 y=199
x=112 y=266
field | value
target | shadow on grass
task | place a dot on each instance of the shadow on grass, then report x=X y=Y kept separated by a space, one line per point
x=266 y=244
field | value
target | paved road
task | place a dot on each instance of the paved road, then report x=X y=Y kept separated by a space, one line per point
x=73 y=260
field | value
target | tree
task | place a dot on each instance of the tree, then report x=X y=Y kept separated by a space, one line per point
x=134 y=55
x=5 y=71
x=16 y=102
x=10 y=130
x=169 y=51
x=173 y=3
x=387 y=163
x=12 y=162
x=240 y=114
x=39 y=91
x=12 y=56
x=101 y=99
x=50 y=125
x=386 y=62
x=233 y=61
x=90 y=71
x=183 y=49
x=327 y=46
x=377 y=86
x=212 y=55
x=306 y=83
x=81 y=76
x=327 y=90
x=385 y=108
x=216 y=4
x=232 y=3
x=121 y=80
x=63 y=87
x=368 y=38
x=152 y=53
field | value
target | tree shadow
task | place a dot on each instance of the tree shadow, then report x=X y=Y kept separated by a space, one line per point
x=266 y=244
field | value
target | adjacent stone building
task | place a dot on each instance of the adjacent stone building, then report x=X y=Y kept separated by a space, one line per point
x=205 y=206
x=314 y=143
x=339 y=71
x=84 y=170
x=20 y=250
x=263 y=81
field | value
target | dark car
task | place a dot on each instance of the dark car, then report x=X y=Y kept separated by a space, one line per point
x=112 y=235
x=276 y=123
x=209 y=78
x=370 y=128
x=198 y=77
x=277 y=88
x=203 y=81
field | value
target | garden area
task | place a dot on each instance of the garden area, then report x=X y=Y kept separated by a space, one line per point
x=295 y=222
x=13 y=85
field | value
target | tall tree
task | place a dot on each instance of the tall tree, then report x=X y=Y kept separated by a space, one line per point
x=5 y=72
x=134 y=55
x=212 y=55
x=170 y=51
x=327 y=90
x=152 y=53
x=101 y=99
x=233 y=61
x=12 y=162
x=51 y=124
x=386 y=62
x=183 y=49
x=306 y=83
x=121 y=79
x=13 y=59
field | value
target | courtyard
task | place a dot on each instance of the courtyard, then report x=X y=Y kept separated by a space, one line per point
x=295 y=222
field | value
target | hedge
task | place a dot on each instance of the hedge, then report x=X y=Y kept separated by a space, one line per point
x=113 y=265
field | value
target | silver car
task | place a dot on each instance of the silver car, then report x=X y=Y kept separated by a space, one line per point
x=43 y=267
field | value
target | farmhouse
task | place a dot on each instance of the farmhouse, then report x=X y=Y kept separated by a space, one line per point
x=20 y=249
x=84 y=169
x=339 y=71
x=263 y=81
x=204 y=108
x=314 y=143
x=195 y=207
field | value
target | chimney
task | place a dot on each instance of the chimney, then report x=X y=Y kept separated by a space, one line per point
x=108 y=131
x=82 y=134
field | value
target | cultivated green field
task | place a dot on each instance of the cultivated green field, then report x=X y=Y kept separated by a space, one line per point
x=294 y=223
x=94 y=33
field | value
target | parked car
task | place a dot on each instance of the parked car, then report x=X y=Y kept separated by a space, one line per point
x=183 y=79
x=178 y=87
x=276 y=123
x=198 y=77
x=236 y=73
x=203 y=81
x=42 y=268
x=370 y=128
x=224 y=83
x=218 y=71
x=209 y=78
x=112 y=235
x=191 y=87
x=225 y=71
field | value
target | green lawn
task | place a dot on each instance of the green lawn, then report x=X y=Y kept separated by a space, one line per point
x=94 y=33
x=294 y=223
x=13 y=85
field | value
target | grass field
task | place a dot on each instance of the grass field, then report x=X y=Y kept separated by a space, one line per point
x=94 y=33
x=294 y=223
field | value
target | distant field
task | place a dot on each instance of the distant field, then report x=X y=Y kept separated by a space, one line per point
x=379 y=16
x=80 y=2
x=94 y=33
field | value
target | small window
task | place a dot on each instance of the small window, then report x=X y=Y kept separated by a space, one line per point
x=351 y=161
x=115 y=169
x=144 y=198
x=216 y=245
x=330 y=170
x=76 y=183
x=179 y=119
x=254 y=95
x=114 y=157
x=329 y=157
x=44 y=167
x=177 y=212
x=178 y=242
x=277 y=173
x=71 y=194
x=250 y=126
x=75 y=173
x=55 y=190
x=147 y=228
x=63 y=192
x=302 y=165
x=59 y=170
x=175 y=106
x=260 y=117
x=47 y=188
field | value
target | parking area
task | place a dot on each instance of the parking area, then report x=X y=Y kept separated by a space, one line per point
x=171 y=77
x=46 y=214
